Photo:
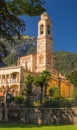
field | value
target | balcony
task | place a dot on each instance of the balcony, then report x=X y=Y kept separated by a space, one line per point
x=9 y=79
x=13 y=81
x=9 y=82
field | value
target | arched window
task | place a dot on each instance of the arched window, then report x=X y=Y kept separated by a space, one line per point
x=48 y=29
x=41 y=29
x=41 y=59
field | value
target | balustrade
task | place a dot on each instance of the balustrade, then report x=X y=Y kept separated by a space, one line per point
x=8 y=79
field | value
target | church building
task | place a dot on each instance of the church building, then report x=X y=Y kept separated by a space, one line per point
x=44 y=59
x=12 y=77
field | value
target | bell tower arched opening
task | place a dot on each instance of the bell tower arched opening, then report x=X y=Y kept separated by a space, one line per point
x=41 y=29
x=48 y=30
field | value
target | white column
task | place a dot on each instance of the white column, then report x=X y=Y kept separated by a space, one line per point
x=1 y=80
x=5 y=78
x=10 y=78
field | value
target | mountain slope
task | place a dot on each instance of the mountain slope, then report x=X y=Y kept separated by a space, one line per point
x=66 y=62
x=20 y=47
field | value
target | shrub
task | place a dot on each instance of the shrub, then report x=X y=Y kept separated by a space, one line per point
x=54 y=92
x=57 y=103
x=28 y=103
x=19 y=99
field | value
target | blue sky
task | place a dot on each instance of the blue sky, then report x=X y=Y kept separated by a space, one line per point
x=63 y=14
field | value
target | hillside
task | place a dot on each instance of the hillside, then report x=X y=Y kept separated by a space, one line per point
x=66 y=62
x=19 y=47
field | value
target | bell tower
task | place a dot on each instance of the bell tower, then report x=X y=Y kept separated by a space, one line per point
x=44 y=44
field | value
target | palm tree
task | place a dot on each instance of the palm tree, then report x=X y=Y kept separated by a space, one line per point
x=47 y=77
x=28 y=90
x=42 y=81
x=39 y=81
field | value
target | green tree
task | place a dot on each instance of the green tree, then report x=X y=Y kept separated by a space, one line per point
x=3 y=51
x=10 y=10
x=47 y=77
x=19 y=99
x=58 y=103
x=42 y=81
x=54 y=92
x=28 y=90
x=73 y=78
x=39 y=81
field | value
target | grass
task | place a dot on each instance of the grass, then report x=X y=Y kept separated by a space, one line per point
x=7 y=126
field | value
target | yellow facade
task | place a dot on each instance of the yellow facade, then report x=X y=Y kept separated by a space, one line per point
x=12 y=77
x=65 y=87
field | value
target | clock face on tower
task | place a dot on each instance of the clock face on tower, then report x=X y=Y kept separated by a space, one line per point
x=41 y=46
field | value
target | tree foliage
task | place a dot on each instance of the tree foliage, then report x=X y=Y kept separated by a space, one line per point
x=29 y=82
x=39 y=81
x=42 y=81
x=28 y=90
x=19 y=99
x=10 y=23
x=54 y=92
x=58 y=103
x=28 y=7
x=73 y=78
x=10 y=10
x=3 y=50
x=47 y=75
x=66 y=62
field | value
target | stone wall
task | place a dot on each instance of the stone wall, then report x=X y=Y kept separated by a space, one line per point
x=54 y=116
